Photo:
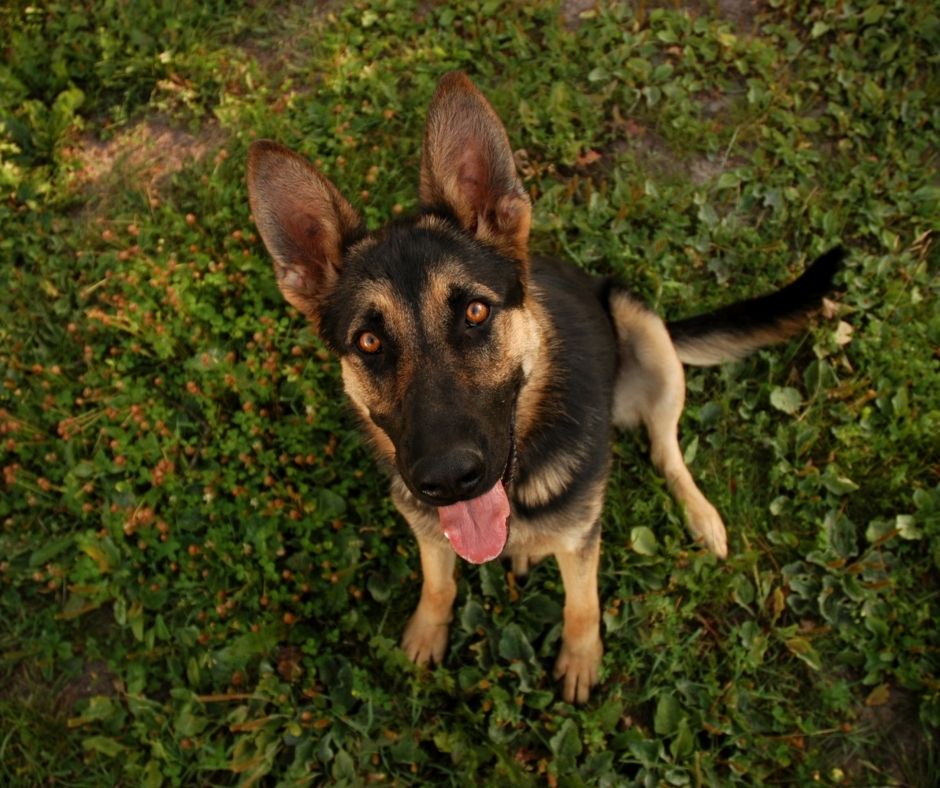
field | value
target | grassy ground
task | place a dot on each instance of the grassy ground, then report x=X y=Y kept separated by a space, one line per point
x=201 y=579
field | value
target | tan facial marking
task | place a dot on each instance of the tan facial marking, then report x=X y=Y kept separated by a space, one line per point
x=435 y=302
x=526 y=337
x=443 y=279
x=379 y=296
x=363 y=396
x=356 y=385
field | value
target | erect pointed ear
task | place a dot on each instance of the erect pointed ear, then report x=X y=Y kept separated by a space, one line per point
x=304 y=221
x=467 y=168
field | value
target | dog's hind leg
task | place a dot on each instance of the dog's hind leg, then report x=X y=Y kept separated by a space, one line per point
x=425 y=636
x=662 y=424
x=650 y=388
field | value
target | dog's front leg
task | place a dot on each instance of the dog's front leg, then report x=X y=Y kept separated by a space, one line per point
x=425 y=637
x=581 y=650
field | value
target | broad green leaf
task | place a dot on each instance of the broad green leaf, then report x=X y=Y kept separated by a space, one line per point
x=100 y=549
x=566 y=743
x=50 y=550
x=802 y=648
x=730 y=179
x=472 y=616
x=907 y=527
x=836 y=483
x=103 y=744
x=513 y=644
x=135 y=618
x=787 y=399
x=668 y=711
x=642 y=540
x=379 y=587
x=684 y=742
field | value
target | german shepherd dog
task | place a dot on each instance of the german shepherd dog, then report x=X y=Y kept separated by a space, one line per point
x=489 y=380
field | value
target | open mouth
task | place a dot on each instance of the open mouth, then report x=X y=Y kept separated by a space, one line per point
x=478 y=529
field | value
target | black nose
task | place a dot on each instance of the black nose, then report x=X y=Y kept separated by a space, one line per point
x=447 y=478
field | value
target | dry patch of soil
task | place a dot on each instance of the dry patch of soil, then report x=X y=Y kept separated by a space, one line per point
x=145 y=155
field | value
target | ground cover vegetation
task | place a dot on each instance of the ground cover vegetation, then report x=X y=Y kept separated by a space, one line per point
x=201 y=579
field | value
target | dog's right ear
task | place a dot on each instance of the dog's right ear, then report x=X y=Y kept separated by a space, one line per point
x=304 y=221
x=467 y=167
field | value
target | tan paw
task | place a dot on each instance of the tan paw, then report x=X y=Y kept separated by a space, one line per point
x=705 y=524
x=580 y=669
x=424 y=641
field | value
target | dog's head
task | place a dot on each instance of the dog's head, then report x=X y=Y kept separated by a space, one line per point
x=428 y=315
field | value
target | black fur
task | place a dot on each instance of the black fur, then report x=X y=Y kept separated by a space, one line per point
x=575 y=414
x=794 y=301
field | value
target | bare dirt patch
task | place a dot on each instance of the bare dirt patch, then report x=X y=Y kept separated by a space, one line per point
x=571 y=11
x=145 y=154
x=742 y=14
x=656 y=155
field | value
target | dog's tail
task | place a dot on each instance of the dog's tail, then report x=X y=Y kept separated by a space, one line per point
x=734 y=331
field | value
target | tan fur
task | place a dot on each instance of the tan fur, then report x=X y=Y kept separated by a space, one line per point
x=579 y=660
x=366 y=396
x=362 y=246
x=431 y=222
x=361 y=394
x=551 y=483
x=650 y=388
x=435 y=301
x=425 y=636
x=524 y=338
x=569 y=536
x=514 y=343
x=536 y=365
x=379 y=296
x=563 y=531
x=721 y=348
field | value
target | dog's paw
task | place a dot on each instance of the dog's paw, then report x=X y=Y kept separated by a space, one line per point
x=705 y=524
x=580 y=669
x=424 y=641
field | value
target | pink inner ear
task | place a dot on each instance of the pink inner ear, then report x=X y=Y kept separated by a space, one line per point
x=303 y=227
x=309 y=235
x=473 y=179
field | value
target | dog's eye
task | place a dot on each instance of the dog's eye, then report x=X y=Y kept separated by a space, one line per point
x=369 y=343
x=477 y=313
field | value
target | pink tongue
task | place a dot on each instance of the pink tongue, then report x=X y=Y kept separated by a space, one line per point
x=477 y=529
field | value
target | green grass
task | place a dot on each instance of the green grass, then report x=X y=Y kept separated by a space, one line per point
x=201 y=579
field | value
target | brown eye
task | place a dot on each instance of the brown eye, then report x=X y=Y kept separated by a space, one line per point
x=369 y=342
x=477 y=312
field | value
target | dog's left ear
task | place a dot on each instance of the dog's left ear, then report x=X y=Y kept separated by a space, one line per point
x=467 y=168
